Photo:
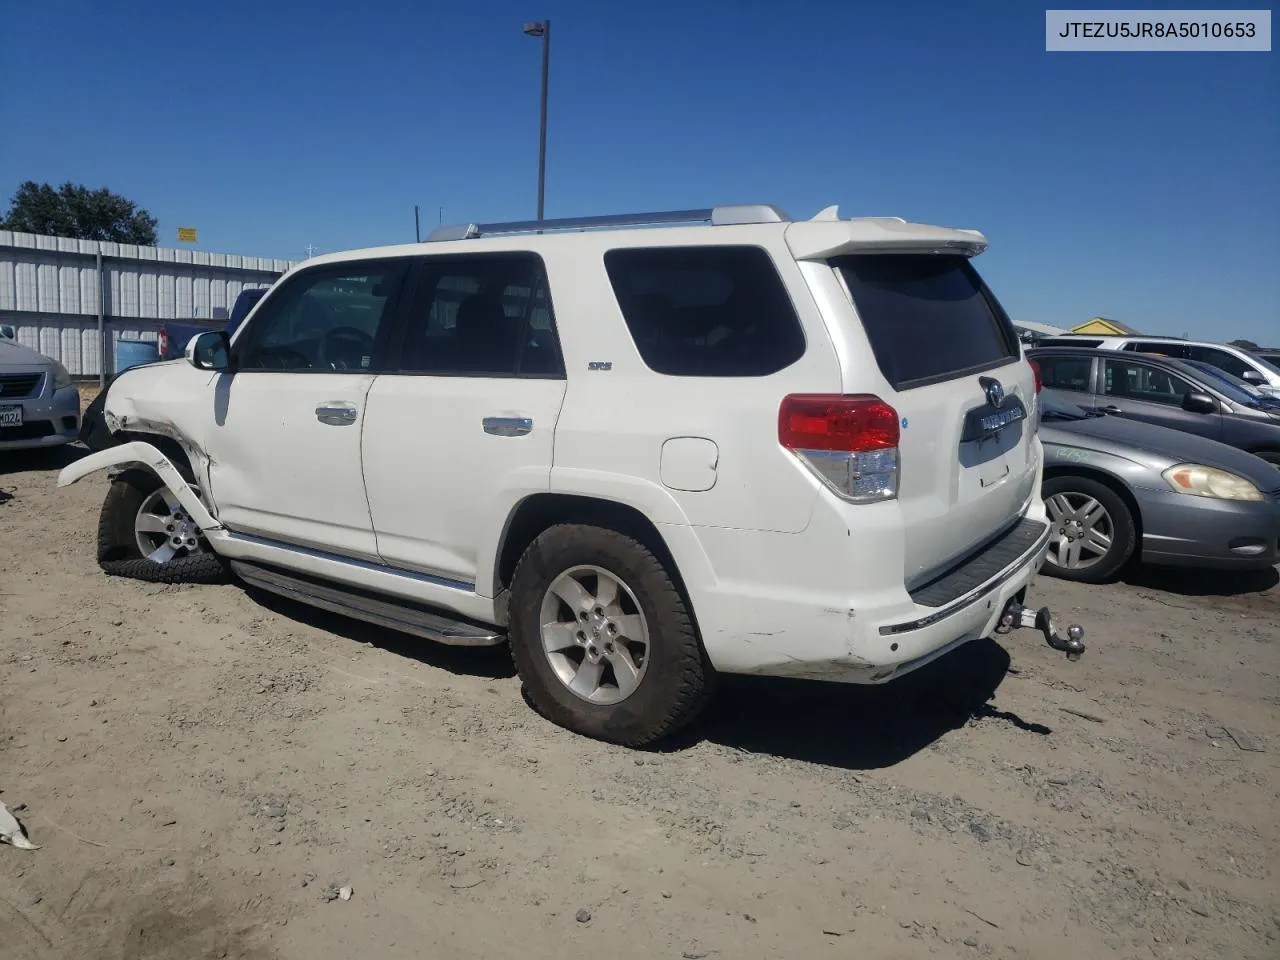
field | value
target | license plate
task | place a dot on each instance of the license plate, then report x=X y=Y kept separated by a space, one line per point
x=10 y=416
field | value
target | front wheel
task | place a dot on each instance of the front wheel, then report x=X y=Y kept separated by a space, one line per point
x=144 y=534
x=603 y=639
x=1093 y=530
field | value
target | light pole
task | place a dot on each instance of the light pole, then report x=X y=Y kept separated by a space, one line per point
x=542 y=28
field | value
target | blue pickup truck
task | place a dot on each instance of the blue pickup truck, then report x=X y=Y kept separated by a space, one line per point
x=174 y=337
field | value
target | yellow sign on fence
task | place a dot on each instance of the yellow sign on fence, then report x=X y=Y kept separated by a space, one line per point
x=186 y=234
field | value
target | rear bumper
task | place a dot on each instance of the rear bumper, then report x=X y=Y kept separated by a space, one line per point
x=859 y=633
x=49 y=420
x=1179 y=530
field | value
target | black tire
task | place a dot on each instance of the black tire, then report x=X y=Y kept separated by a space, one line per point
x=1271 y=456
x=677 y=681
x=1124 y=529
x=118 y=553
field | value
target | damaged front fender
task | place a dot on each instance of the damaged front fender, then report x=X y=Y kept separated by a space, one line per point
x=146 y=455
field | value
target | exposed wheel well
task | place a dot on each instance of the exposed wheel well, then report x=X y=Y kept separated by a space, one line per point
x=1270 y=454
x=542 y=510
x=170 y=448
x=1115 y=485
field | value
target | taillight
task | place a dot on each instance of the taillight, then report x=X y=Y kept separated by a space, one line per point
x=162 y=342
x=849 y=441
x=1035 y=368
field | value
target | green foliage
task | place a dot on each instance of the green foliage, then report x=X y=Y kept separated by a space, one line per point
x=76 y=211
x=1244 y=344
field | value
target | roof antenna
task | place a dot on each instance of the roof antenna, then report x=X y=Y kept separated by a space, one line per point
x=828 y=213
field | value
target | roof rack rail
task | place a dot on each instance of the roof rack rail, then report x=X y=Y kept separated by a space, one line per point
x=716 y=216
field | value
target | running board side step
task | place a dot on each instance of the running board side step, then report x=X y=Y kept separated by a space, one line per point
x=382 y=611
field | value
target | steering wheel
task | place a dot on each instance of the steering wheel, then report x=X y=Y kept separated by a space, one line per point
x=362 y=342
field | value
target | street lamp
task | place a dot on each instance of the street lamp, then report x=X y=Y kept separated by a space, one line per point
x=542 y=28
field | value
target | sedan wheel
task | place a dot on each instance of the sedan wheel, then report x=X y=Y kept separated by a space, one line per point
x=1092 y=529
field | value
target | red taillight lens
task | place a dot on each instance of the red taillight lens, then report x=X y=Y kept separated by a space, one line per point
x=162 y=343
x=1035 y=368
x=853 y=423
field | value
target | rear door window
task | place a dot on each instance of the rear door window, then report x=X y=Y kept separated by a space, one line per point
x=483 y=316
x=928 y=317
x=706 y=311
x=1222 y=360
x=1066 y=373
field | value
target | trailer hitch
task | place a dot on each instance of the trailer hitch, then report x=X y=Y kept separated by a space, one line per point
x=1016 y=615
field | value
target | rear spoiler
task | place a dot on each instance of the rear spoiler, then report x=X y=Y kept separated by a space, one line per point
x=824 y=239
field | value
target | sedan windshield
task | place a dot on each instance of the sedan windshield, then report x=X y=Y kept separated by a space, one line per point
x=1230 y=386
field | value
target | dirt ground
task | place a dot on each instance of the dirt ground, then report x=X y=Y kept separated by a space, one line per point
x=204 y=768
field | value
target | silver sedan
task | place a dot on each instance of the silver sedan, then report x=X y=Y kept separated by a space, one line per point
x=39 y=403
x=1121 y=490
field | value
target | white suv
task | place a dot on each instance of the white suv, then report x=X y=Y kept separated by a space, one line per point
x=1255 y=370
x=641 y=456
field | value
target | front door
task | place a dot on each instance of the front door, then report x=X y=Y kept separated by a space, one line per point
x=284 y=441
x=1139 y=391
x=464 y=430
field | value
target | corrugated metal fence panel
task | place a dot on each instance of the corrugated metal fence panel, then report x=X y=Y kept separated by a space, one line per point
x=49 y=292
x=54 y=275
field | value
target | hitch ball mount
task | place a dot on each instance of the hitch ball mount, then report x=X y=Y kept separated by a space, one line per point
x=1016 y=615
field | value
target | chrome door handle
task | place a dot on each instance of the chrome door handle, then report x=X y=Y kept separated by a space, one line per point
x=508 y=426
x=336 y=414
x=1111 y=408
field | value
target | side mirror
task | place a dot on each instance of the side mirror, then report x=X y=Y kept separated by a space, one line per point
x=7 y=332
x=1199 y=403
x=1253 y=376
x=210 y=351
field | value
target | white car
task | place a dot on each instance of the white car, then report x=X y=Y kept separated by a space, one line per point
x=731 y=442
x=39 y=403
x=1255 y=370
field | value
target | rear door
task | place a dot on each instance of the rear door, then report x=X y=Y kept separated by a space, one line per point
x=463 y=428
x=1143 y=391
x=963 y=393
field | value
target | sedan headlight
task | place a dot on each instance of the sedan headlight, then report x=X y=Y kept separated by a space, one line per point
x=61 y=378
x=1202 y=481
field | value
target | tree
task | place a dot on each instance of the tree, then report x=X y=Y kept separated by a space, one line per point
x=1244 y=344
x=76 y=211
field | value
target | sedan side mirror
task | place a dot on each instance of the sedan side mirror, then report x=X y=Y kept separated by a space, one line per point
x=1253 y=376
x=210 y=351
x=1199 y=403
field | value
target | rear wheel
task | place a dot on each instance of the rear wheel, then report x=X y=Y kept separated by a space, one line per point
x=1093 y=530
x=603 y=639
x=144 y=534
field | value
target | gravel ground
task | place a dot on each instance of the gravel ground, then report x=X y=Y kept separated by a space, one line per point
x=213 y=773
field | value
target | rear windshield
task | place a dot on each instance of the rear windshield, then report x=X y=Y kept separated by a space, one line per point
x=929 y=317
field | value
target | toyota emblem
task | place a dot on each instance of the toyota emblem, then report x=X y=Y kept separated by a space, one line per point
x=995 y=391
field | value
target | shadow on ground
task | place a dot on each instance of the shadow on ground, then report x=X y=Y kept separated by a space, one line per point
x=491 y=662
x=1203 y=583
x=838 y=725
x=857 y=727
x=35 y=461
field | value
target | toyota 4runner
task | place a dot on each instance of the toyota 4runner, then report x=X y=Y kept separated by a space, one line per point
x=730 y=442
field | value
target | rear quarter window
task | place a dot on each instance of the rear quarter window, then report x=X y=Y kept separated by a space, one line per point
x=706 y=311
x=928 y=317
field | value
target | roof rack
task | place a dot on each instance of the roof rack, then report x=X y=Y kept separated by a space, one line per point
x=716 y=216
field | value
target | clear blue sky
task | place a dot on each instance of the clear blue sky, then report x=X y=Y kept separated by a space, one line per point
x=1136 y=186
